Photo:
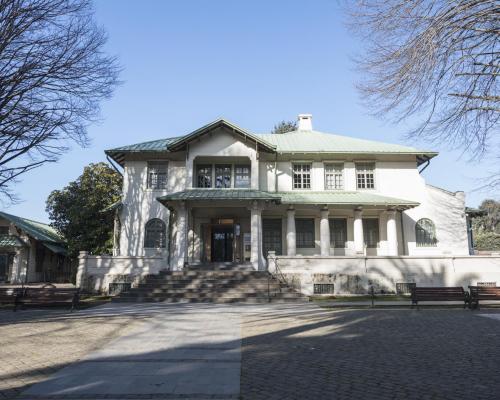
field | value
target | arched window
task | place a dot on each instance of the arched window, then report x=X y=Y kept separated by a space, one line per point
x=425 y=232
x=155 y=234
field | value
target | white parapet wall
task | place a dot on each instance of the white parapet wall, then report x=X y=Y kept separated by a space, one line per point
x=95 y=273
x=355 y=275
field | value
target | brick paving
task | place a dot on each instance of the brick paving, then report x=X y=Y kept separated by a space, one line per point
x=288 y=351
x=36 y=343
x=370 y=354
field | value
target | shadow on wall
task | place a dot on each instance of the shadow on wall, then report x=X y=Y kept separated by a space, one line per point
x=357 y=276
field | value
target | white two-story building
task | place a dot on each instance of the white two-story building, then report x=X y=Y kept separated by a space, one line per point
x=223 y=194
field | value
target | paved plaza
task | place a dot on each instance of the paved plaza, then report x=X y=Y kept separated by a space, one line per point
x=285 y=351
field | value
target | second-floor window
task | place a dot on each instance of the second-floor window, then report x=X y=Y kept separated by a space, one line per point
x=222 y=176
x=334 y=177
x=302 y=176
x=204 y=176
x=242 y=176
x=157 y=175
x=365 y=175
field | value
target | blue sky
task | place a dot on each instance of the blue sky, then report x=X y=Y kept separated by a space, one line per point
x=254 y=62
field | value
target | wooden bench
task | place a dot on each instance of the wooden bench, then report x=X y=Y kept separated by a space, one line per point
x=49 y=296
x=10 y=296
x=438 y=294
x=483 y=293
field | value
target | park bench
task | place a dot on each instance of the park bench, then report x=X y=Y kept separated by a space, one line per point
x=483 y=293
x=438 y=294
x=10 y=296
x=49 y=296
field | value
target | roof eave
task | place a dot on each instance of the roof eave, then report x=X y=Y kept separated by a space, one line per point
x=178 y=144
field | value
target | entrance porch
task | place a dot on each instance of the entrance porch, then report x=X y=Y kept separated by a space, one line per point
x=242 y=229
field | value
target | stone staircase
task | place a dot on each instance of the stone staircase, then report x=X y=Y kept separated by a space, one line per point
x=209 y=284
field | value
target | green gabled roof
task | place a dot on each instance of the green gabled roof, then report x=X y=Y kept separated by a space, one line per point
x=35 y=229
x=299 y=141
x=218 y=123
x=219 y=194
x=321 y=142
x=10 y=241
x=344 y=198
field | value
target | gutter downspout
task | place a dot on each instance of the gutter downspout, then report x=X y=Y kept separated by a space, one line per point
x=276 y=173
x=403 y=233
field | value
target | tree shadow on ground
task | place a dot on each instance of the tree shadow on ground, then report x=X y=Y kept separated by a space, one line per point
x=302 y=351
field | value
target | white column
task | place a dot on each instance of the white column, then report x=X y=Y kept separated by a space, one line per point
x=82 y=269
x=189 y=172
x=255 y=221
x=291 y=249
x=254 y=174
x=180 y=238
x=359 y=239
x=392 y=235
x=324 y=230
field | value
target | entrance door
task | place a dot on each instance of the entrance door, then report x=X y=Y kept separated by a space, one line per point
x=271 y=236
x=222 y=243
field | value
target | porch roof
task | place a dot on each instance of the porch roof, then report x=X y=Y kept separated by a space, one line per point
x=324 y=197
x=11 y=241
x=344 y=198
x=219 y=194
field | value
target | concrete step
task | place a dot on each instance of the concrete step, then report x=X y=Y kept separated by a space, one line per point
x=210 y=286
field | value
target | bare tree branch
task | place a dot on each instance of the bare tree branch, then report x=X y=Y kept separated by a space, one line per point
x=437 y=61
x=53 y=75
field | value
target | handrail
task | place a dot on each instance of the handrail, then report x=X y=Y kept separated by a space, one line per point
x=278 y=275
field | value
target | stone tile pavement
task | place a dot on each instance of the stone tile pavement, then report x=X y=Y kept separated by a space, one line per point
x=370 y=354
x=173 y=351
x=250 y=352
x=35 y=343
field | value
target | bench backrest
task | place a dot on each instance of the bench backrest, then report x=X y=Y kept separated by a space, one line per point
x=6 y=292
x=50 y=293
x=489 y=291
x=453 y=292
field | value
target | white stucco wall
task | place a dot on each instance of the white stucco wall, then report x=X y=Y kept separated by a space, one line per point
x=394 y=177
x=95 y=273
x=140 y=204
x=354 y=275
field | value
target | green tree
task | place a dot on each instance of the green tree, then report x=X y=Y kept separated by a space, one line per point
x=284 y=127
x=77 y=209
x=487 y=227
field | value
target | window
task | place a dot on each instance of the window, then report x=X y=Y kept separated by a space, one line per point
x=155 y=234
x=370 y=231
x=157 y=175
x=242 y=176
x=271 y=236
x=204 y=176
x=304 y=233
x=323 y=288
x=365 y=175
x=338 y=232
x=4 y=230
x=334 y=176
x=302 y=176
x=222 y=176
x=425 y=233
